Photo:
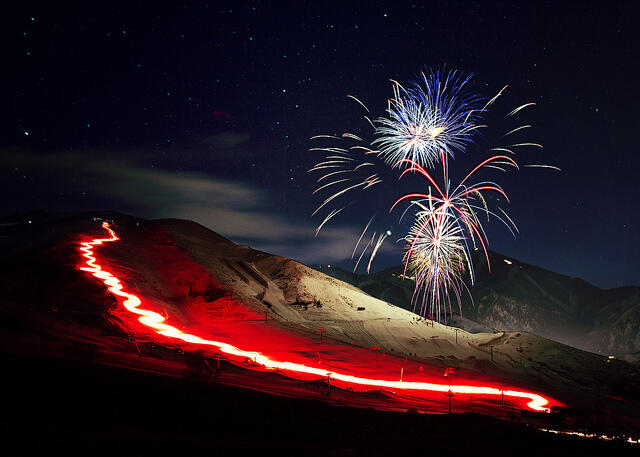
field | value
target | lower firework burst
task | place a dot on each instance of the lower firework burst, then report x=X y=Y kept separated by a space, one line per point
x=437 y=258
x=447 y=222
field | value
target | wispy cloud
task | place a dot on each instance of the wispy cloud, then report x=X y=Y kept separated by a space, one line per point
x=238 y=210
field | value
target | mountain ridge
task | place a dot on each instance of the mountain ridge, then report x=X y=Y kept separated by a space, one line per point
x=521 y=297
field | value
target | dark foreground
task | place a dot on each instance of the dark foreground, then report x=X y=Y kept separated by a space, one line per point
x=62 y=407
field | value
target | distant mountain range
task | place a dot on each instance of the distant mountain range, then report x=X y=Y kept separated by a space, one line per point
x=521 y=297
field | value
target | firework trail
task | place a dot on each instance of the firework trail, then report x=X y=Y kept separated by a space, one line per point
x=347 y=170
x=344 y=171
x=432 y=115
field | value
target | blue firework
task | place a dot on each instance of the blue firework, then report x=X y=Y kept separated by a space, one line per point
x=432 y=114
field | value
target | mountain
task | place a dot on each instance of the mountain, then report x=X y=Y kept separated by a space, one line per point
x=205 y=284
x=520 y=297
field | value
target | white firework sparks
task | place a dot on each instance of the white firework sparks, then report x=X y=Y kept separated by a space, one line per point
x=428 y=117
x=437 y=258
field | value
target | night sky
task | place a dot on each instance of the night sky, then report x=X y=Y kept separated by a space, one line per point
x=205 y=112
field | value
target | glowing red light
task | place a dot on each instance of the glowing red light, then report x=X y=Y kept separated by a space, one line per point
x=151 y=319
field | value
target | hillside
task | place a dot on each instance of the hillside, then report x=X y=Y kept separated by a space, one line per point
x=521 y=297
x=208 y=285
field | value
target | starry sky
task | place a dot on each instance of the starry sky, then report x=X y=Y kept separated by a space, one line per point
x=204 y=111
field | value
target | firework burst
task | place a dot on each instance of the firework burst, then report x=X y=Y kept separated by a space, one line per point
x=432 y=115
x=437 y=259
x=447 y=225
x=426 y=123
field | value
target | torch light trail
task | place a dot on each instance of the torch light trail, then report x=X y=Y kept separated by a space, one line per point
x=155 y=321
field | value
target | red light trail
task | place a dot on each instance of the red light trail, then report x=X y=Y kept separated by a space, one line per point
x=155 y=321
